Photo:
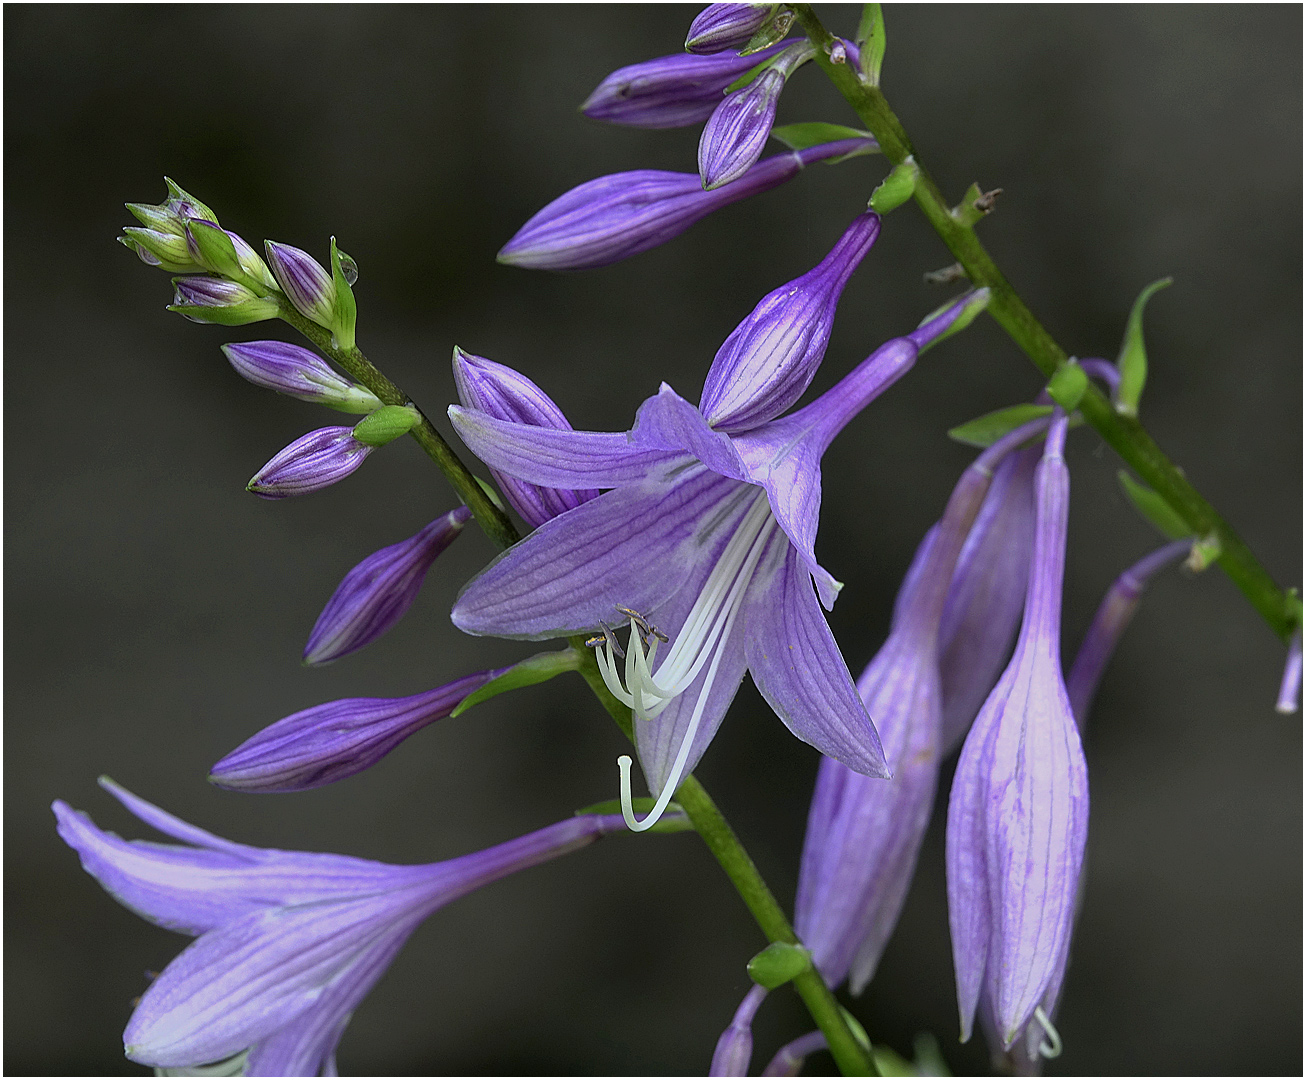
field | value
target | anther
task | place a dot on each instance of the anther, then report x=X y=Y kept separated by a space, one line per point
x=606 y=638
x=647 y=629
x=1051 y=1046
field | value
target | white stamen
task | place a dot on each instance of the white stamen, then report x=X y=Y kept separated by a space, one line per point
x=702 y=639
x=1049 y=1047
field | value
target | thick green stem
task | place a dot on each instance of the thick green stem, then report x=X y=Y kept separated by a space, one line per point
x=1282 y=610
x=491 y=519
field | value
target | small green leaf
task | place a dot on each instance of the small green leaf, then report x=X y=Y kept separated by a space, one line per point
x=929 y=1058
x=1132 y=361
x=534 y=669
x=673 y=819
x=801 y=136
x=491 y=493
x=385 y=425
x=1067 y=386
x=985 y=430
x=871 y=41
x=772 y=31
x=778 y=963
x=217 y=252
x=892 y=1063
x=344 y=312
x=855 y=1026
x=896 y=188
x=239 y=314
x=965 y=212
x=1154 y=508
x=1204 y=552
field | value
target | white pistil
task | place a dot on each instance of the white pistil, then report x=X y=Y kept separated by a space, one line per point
x=700 y=642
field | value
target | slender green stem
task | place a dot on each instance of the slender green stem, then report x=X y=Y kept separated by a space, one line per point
x=1282 y=610
x=491 y=519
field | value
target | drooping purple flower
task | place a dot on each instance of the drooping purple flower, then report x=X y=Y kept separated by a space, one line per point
x=1018 y=812
x=505 y=394
x=338 y=739
x=288 y=942
x=670 y=91
x=734 y=1049
x=1290 y=687
x=310 y=463
x=205 y=299
x=771 y=357
x=613 y=217
x=705 y=542
x=376 y=593
x=306 y=283
x=726 y=26
x=737 y=130
x=1113 y=616
x=864 y=834
x=293 y=370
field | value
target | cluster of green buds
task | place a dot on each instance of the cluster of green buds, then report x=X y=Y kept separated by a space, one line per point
x=227 y=283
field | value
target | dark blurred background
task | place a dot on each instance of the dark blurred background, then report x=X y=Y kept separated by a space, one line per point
x=156 y=611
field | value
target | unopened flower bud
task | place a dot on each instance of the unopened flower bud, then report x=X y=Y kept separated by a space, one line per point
x=227 y=255
x=735 y=134
x=386 y=424
x=205 y=299
x=670 y=91
x=293 y=370
x=726 y=26
x=376 y=593
x=310 y=463
x=734 y=1049
x=304 y=281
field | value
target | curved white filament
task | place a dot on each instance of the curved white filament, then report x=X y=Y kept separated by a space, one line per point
x=1049 y=1047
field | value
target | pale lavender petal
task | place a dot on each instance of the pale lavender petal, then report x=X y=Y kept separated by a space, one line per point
x=668 y=422
x=734 y=1049
x=623 y=214
x=770 y=358
x=338 y=739
x=376 y=593
x=567 y=459
x=669 y=91
x=1290 y=687
x=725 y=26
x=634 y=547
x=797 y=667
x=312 y=462
x=736 y=133
x=506 y=394
x=789 y=1059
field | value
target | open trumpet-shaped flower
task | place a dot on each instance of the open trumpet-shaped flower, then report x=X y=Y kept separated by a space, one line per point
x=288 y=942
x=706 y=541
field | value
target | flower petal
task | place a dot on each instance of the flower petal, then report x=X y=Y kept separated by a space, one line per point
x=668 y=422
x=553 y=458
x=797 y=666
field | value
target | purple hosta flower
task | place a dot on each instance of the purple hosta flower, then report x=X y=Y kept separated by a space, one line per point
x=306 y=283
x=288 y=942
x=771 y=357
x=330 y=742
x=704 y=543
x=726 y=26
x=738 y=128
x=613 y=217
x=671 y=91
x=290 y=369
x=376 y=593
x=1018 y=813
x=734 y=1050
x=505 y=394
x=310 y=463
x=864 y=834
x=1290 y=687
x=205 y=299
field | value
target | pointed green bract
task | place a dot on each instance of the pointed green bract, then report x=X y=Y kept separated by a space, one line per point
x=345 y=311
x=1067 y=386
x=985 y=430
x=1132 y=361
x=896 y=188
x=1153 y=508
x=801 y=136
x=386 y=424
x=773 y=30
x=778 y=963
x=534 y=669
x=871 y=41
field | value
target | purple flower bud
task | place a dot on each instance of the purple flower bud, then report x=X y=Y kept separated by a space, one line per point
x=789 y=1059
x=734 y=1050
x=1113 y=616
x=506 y=394
x=613 y=217
x=304 y=281
x=292 y=370
x=224 y=253
x=726 y=26
x=310 y=463
x=375 y=594
x=205 y=299
x=770 y=358
x=736 y=132
x=1290 y=687
x=330 y=742
x=166 y=250
x=671 y=91
x=1018 y=813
